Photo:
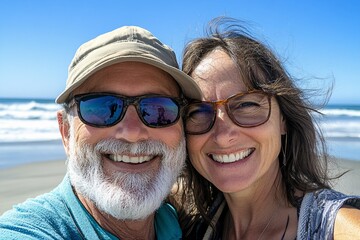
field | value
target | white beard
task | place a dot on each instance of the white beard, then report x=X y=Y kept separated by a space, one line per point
x=123 y=195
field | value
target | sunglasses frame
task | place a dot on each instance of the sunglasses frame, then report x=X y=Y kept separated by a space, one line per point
x=215 y=105
x=128 y=100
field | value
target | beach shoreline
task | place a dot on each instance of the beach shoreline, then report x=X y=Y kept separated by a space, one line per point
x=29 y=180
x=26 y=152
x=32 y=179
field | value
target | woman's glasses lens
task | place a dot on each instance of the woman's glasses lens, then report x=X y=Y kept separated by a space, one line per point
x=199 y=117
x=249 y=110
x=246 y=110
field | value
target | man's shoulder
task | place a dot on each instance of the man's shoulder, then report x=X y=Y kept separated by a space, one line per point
x=166 y=223
x=43 y=217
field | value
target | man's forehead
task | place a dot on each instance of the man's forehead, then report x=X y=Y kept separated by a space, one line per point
x=132 y=78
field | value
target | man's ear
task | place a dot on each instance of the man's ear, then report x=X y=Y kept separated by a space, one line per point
x=64 y=129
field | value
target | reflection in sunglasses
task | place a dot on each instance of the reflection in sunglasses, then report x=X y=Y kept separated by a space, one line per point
x=106 y=109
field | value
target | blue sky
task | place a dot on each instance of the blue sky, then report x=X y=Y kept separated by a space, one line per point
x=318 y=40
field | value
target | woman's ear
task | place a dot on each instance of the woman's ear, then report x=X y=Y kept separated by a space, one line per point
x=64 y=129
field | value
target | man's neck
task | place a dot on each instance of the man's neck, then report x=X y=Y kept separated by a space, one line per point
x=123 y=229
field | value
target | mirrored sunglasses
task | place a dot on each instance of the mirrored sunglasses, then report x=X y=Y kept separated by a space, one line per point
x=107 y=109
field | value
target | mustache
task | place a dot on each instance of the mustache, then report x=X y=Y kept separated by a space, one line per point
x=115 y=146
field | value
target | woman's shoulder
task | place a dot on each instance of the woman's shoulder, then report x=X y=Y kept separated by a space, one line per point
x=325 y=197
x=347 y=223
x=326 y=202
x=318 y=212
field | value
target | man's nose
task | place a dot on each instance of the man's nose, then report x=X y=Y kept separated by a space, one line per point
x=131 y=128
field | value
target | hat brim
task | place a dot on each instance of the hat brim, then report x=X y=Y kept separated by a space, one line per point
x=188 y=86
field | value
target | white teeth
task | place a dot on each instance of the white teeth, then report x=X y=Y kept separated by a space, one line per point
x=233 y=157
x=128 y=159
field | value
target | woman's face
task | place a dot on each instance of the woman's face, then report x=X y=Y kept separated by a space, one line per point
x=251 y=153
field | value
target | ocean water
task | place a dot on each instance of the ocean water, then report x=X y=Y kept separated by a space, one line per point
x=26 y=120
x=29 y=131
x=341 y=127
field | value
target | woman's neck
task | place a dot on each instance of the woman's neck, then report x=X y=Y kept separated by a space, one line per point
x=259 y=211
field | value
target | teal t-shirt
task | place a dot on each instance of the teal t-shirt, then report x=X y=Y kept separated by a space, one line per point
x=60 y=215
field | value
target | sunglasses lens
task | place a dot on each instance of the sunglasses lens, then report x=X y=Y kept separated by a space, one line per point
x=100 y=110
x=199 y=117
x=158 y=111
x=250 y=109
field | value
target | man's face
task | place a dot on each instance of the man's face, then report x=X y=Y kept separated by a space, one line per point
x=99 y=158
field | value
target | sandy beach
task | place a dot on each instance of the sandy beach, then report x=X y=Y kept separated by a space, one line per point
x=27 y=181
x=349 y=182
